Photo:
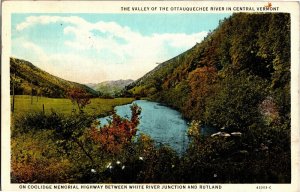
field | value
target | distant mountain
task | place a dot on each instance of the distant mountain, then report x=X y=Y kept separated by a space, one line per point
x=28 y=78
x=111 y=88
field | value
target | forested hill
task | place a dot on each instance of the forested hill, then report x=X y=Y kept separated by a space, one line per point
x=239 y=74
x=28 y=78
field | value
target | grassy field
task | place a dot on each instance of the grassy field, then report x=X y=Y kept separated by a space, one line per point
x=97 y=106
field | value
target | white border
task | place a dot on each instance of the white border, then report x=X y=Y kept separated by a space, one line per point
x=114 y=7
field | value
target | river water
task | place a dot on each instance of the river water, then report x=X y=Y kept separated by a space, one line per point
x=163 y=124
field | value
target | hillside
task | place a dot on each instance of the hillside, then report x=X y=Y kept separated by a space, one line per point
x=29 y=78
x=110 y=88
x=247 y=53
x=237 y=80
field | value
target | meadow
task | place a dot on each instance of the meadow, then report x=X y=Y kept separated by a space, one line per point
x=98 y=106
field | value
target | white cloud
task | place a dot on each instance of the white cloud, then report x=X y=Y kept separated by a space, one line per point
x=118 y=52
x=44 y=20
x=42 y=56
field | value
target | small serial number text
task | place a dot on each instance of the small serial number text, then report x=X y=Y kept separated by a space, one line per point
x=263 y=187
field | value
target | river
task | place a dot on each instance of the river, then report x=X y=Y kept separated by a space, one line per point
x=163 y=124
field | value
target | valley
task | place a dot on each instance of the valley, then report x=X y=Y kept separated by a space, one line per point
x=235 y=83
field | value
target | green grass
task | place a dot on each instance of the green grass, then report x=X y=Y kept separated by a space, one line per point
x=97 y=106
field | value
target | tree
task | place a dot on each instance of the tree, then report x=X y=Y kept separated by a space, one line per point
x=115 y=136
x=236 y=104
x=201 y=82
x=80 y=97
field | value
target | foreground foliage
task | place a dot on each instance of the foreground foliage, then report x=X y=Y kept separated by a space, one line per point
x=55 y=148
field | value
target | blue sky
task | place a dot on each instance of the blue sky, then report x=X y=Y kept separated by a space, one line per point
x=91 y=48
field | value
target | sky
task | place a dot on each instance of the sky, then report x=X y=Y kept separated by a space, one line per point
x=92 y=48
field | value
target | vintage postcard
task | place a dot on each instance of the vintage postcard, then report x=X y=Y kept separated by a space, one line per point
x=150 y=96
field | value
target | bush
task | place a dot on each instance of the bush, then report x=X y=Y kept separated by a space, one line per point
x=36 y=159
x=260 y=154
x=36 y=121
